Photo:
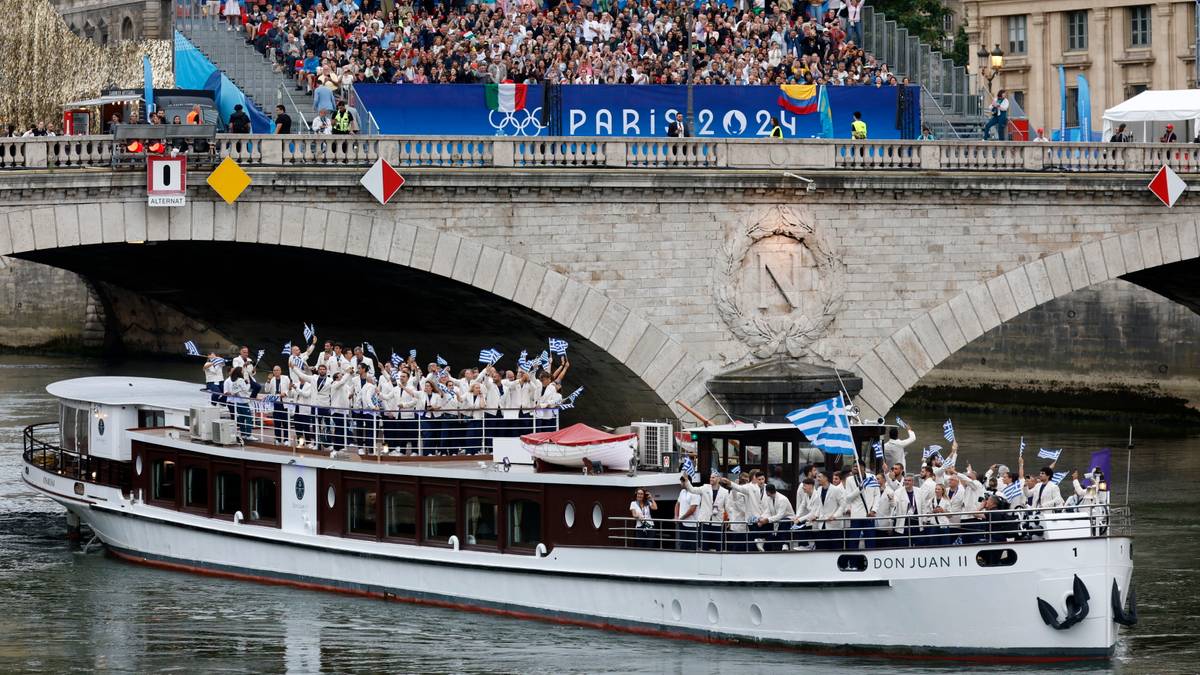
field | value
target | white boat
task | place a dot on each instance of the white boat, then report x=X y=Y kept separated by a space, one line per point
x=482 y=534
x=572 y=445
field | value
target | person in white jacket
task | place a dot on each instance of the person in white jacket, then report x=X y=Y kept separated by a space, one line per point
x=277 y=388
x=894 y=449
x=906 y=511
x=712 y=510
x=860 y=502
x=778 y=517
x=755 y=493
x=831 y=500
x=340 y=393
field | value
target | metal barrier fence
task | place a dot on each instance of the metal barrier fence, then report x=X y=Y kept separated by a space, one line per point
x=252 y=150
x=375 y=432
x=42 y=449
x=851 y=534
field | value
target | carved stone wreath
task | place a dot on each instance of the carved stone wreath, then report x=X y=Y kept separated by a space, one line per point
x=790 y=334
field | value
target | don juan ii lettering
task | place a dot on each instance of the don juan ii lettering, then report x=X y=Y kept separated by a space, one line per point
x=918 y=562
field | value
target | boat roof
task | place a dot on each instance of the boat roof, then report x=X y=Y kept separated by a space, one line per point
x=150 y=392
x=743 y=427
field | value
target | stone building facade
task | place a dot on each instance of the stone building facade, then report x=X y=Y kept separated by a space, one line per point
x=108 y=21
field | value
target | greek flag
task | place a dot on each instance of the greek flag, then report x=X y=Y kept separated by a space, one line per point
x=441 y=361
x=412 y=353
x=869 y=482
x=930 y=451
x=948 y=431
x=396 y=360
x=489 y=356
x=191 y=348
x=810 y=421
x=297 y=363
x=900 y=423
x=287 y=348
x=309 y=332
x=949 y=461
x=686 y=466
x=1012 y=491
x=260 y=355
x=544 y=358
x=522 y=361
x=1051 y=455
x=375 y=400
x=217 y=361
x=446 y=390
x=826 y=425
x=878 y=448
x=558 y=346
x=370 y=350
x=1057 y=477
x=569 y=401
x=735 y=471
x=1021 y=448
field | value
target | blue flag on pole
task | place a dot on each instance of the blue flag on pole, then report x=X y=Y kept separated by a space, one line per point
x=396 y=360
x=686 y=467
x=191 y=348
x=1051 y=455
x=825 y=113
x=1011 y=492
x=1021 y=448
x=287 y=348
x=948 y=431
x=1058 y=476
x=260 y=355
x=441 y=361
x=558 y=346
x=309 y=332
x=1062 y=103
x=878 y=448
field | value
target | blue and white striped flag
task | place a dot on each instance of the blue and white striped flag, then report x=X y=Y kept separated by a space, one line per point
x=370 y=349
x=544 y=358
x=376 y=401
x=412 y=353
x=191 y=348
x=948 y=431
x=930 y=451
x=309 y=332
x=1021 y=448
x=810 y=420
x=736 y=471
x=1057 y=477
x=441 y=361
x=217 y=361
x=869 y=482
x=297 y=363
x=949 y=461
x=446 y=390
x=558 y=346
x=826 y=426
x=396 y=360
x=569 y=401
x=686 y=466
x=1012 y=491
x=260 y=355
x=489 y=356
x=522 y=360
x=287 y=348
x=878 y=448
x=900 y=423
x=1051 y=455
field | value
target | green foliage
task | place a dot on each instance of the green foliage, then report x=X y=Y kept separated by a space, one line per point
x=922 y=18
x=959 y=54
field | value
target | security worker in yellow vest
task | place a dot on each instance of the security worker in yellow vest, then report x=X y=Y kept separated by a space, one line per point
x=343 y=120
x=776 y=130
x=858 y=128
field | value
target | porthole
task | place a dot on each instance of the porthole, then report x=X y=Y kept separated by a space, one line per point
x=597 y=515
x=137 y=465
x=755 y=615
x=852 y=563
x=569 y=514
x=996 y=557
x=331 y=496
x=676 y=610
x=713 y=615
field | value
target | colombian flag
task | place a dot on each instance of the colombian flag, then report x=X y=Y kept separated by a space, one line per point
x=798 y=99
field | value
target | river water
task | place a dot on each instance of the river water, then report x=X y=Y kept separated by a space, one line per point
x=64 y=611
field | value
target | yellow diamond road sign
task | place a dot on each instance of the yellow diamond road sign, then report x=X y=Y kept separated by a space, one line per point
x=229 y=180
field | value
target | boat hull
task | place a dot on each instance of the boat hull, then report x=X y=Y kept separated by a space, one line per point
x=917 y=602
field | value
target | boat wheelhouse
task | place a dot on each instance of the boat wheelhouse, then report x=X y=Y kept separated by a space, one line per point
x=500 y=532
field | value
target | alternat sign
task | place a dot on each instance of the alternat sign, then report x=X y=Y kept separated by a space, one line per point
x=166 y=181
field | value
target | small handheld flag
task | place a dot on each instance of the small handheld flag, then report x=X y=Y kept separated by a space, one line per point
x=446 y=390
x=900 y=423
x=412 y=353
x=686 y=467
x=1058 y=476
x=558 y=346
x=441 y=361
x=371 y=350
x=1021 y=448
x=522 y=361
x=396 y=360
x=737 y=470
x=869 y=482
x=191 y=348
x=216 y=361
x=260 y=355
x=1012 y=491
x=287 y=348
x=489 y=356
x=949 y=461
x=930 y=451
x=948 y=431
x=569 y=401
x=1051 y=455
x=309 y=332
x=878 y=448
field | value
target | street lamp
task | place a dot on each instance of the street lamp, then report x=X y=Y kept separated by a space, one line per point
x=990 y=63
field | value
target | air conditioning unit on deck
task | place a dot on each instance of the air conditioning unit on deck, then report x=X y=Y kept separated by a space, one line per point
x=224 y=432
x=655 y=439
x=202 y=419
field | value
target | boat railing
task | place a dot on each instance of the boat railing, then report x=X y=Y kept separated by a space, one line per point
x=43 y=449
x=376 y=431
x=996 y=526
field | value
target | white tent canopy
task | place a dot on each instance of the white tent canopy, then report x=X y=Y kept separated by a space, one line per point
x=1177 y=105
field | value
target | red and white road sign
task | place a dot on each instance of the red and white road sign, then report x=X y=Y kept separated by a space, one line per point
x=166 y=180
x=382 y=181
x=1167 y=186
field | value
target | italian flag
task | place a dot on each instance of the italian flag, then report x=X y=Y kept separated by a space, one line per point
x=506 y=97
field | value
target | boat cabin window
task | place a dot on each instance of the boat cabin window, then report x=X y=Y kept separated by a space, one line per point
x=195 y=487
x=525 y=522
x=74 y=424
x=400 y=514
x=152 y=419
x=481 y=521
x=440 y=517
x=360 y=511
x=162 y=480
x=229 y=493
x=263 y=498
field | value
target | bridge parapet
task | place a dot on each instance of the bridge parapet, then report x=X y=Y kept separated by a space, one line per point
x=624 y=153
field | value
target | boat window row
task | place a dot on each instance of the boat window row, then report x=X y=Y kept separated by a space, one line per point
x=218 y=488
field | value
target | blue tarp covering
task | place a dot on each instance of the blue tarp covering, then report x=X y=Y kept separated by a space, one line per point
x=193 y=70
x=624 y=110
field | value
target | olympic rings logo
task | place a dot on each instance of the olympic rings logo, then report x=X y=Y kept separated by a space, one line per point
x=512 y=124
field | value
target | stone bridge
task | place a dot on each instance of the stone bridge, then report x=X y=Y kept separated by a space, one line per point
x=664 y=263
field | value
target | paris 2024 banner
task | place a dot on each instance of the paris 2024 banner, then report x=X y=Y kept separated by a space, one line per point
x=636 y=110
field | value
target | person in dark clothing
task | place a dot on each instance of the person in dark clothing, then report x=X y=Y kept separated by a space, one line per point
x=239 y=121
x=283 y=121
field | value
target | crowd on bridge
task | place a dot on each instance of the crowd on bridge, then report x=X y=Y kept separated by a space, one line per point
x=334 y=45
x=349 y=399
x=937 y=505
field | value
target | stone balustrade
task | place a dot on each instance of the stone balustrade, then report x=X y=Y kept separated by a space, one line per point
x=625 y=153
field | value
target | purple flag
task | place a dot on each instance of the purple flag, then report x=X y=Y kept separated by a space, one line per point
x=1102 y=459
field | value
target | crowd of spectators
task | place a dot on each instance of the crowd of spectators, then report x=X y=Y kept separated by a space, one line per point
x=594 y=42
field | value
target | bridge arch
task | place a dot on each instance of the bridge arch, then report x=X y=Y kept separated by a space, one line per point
x=651 y=360
x=896 y=363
